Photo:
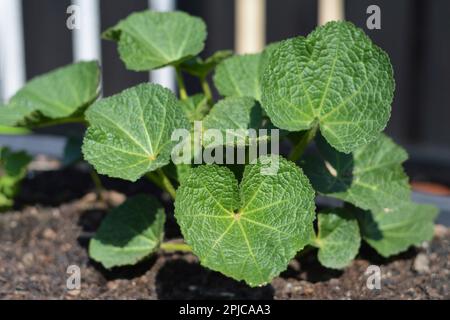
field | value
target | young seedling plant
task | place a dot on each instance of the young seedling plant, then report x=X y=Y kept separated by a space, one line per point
x=331 y=90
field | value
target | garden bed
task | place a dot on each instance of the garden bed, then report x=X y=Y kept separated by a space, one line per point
x=57 y=213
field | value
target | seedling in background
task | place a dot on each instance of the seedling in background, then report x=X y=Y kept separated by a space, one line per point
x=13 y=168
x=332 y=89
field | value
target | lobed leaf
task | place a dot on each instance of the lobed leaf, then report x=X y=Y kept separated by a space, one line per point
x=240 y=76
x=233 y=113
x=150 y=40
x=371 y=178
x=130 y=133
x=64 y=92
x=395 y=231
x=248 y=231
x=129 y=233
x=338 y=238
x=335 y=78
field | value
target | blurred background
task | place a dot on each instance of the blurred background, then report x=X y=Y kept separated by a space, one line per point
x=34 y=39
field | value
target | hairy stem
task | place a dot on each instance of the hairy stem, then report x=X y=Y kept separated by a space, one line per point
x=162 y=181
x=173 y=246
x=300 y=148
x=181 y=85
x=206 y=89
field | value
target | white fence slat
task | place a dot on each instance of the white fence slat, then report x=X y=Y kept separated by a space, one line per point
x=250 y=26
x=12 y=52
x=86 y=40
x=164 y=76
x=330 y=10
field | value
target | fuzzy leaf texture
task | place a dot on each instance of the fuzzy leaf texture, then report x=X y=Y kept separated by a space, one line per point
x=338 y=238
x=150 y=40
x=130 y=133
x=233 y=113
x=61 y=93
x=335 y=78
x=129 y=233
x=395 y=231
x=248 y=231
x=371 y=178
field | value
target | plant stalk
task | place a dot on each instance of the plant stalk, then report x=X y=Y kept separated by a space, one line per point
x=173 y=246
x=181 y=85
x=97 y=182
x=206 y=89
x=300 y=148
x=162 y=181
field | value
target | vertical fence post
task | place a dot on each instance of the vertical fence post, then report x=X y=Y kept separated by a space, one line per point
x=250 y=26
x=164 y=76
x=330 y=10
x=86 y=39
x=12 y=52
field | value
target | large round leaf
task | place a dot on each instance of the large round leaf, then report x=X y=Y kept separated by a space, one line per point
x=249 y=231
x=130 y=133
x=61 y=93
x=150 y=40
x=335 y=78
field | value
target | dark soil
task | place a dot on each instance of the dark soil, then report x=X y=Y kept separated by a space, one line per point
x=55 y=218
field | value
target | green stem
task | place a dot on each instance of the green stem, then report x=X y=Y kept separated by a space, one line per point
x=307 y=137
x=206 y=89
x=173 y=246
x=181 y=86
x=97 y=182
x=162 y=181
x=62 y=121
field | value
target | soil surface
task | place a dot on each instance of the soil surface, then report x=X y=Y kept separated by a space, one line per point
x=55 y=217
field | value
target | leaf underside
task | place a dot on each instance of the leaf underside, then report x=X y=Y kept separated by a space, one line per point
x=248 y=231
x=371 y=178
x=129 y=233
x=336 y=78
x=395 y=231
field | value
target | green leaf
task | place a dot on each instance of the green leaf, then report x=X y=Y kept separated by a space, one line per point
x=13 y=168
x=129 y=233
x=248 y=231
x=239 y=76
x=371 y=178
x=337 y=78
x=233 y=113
x=64 y=92
x=338 y=238
x=201 y=68
x=130 y=133
x=195 y=107
x=395 y=231
x=149 y=40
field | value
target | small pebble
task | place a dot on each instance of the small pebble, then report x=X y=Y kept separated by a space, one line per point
x=421 y=263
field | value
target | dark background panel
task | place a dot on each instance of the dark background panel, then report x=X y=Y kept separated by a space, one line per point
x=115 y=76
x=48 y=42
x=435 y=84
x=290 y=18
